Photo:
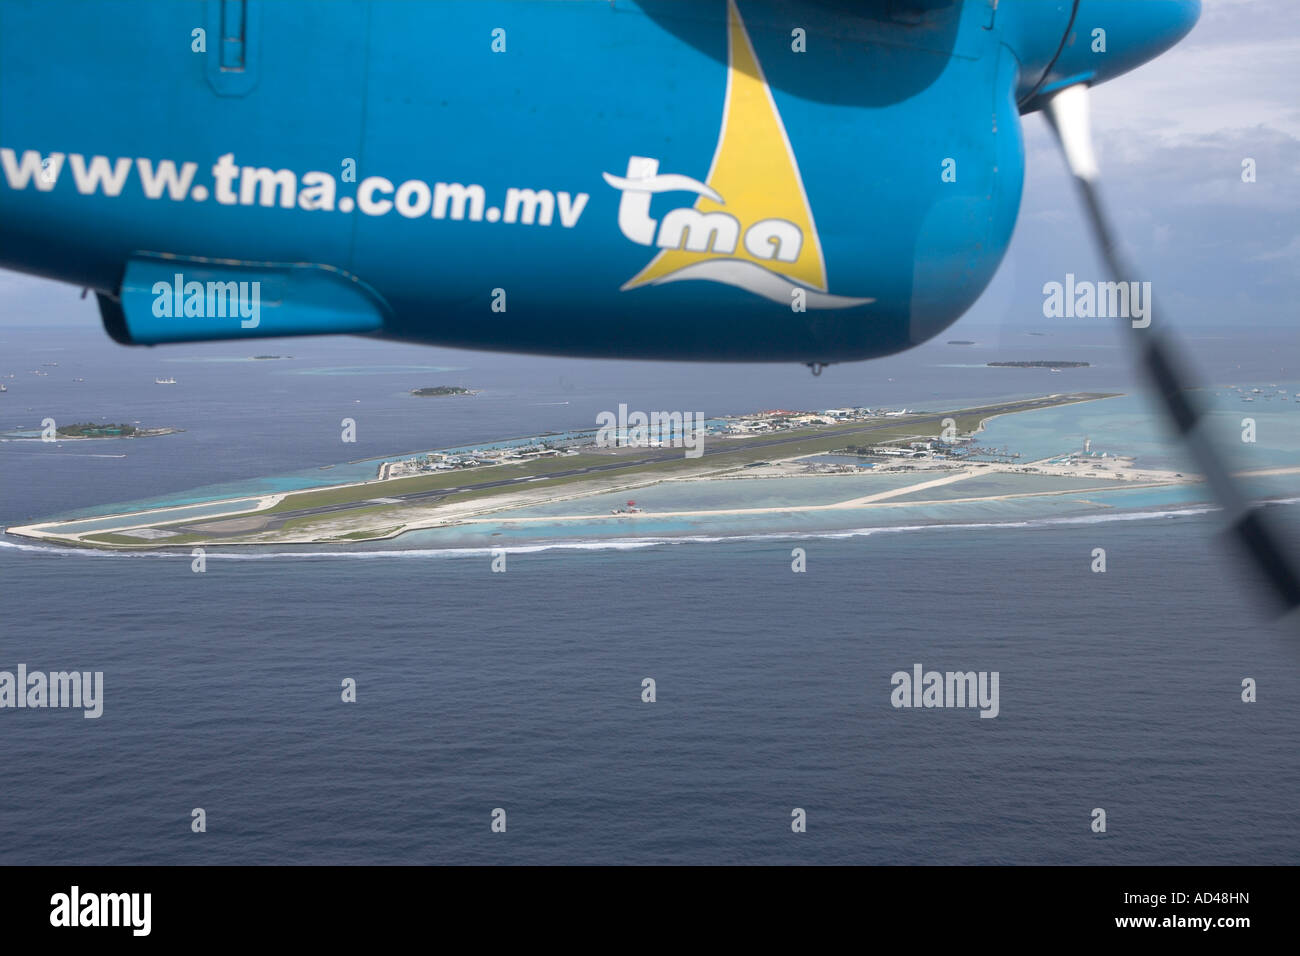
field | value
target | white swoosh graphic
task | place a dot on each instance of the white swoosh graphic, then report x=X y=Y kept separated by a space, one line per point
x=667 y=183
x=752 y=277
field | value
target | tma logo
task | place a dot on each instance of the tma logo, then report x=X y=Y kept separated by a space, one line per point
x=751 y=225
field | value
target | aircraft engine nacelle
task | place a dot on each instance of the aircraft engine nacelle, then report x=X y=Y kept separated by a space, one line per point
x=721 y=180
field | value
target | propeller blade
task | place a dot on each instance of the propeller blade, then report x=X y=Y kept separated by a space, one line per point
x=1160 y=358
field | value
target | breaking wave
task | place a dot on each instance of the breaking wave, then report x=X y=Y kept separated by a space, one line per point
x=632 y=544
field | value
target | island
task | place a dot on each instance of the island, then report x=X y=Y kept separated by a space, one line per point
x=123 y=430
x=960 y=342
x=266 y=358
x=581 y=479
x=443 y=390
x=1056 y=365
x=83 y=431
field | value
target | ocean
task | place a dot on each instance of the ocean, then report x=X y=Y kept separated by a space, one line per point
x=523 y=690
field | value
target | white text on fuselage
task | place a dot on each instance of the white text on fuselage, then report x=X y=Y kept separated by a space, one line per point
x=233 y=185
x=688 y=228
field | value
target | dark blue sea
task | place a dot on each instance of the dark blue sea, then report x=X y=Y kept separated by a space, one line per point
x=522 y=690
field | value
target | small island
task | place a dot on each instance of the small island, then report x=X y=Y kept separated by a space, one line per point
x=267 y=358
x=91 y=430
x=443 y=390
x=1039 y=365
x=960 y=342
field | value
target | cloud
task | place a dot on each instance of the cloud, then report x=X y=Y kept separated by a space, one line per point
x=1171 y=137
x=1238 y=68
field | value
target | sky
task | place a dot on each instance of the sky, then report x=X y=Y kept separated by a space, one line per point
x=1171 y=137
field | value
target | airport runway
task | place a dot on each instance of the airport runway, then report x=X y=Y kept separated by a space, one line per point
x=717 y=447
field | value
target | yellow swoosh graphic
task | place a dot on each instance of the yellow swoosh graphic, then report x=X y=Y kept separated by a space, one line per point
x=755 y=172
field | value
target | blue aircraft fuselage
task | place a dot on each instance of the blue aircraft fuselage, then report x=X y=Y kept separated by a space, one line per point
x=714 y=179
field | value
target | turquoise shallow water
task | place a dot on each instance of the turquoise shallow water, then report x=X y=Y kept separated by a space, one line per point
x=1127 y=425
x=648 y=527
